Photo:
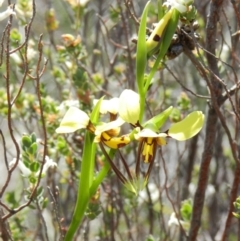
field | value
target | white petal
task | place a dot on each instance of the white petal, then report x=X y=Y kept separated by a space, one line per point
x=149 y=133
x=129 y=106
x=25 y=171
x=110 y=106
x=173 y=220
x=180 y=5
x=48 y=163
x=73 y=120
x=108 y=126
x=6 y=13
x=181 y=8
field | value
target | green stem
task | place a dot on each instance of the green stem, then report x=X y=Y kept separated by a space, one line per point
x=141 y=60
x=102 y=174
x=142 y=106
x=86 y=178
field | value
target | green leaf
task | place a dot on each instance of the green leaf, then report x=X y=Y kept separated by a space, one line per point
x=186 y=210
x=141 y=56
x=33 y=137
x=160 y=10
x=45 y=203
x=33 y=148
x=102 y=173
x=40 y=191
x=32 y=179
x=188 y=127
x=26 y=160
x=26 y=141
x=95 y=112
x=86 y=180
x=158 y=120
x=34 y=167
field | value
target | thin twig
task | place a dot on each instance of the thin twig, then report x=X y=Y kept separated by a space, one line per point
x=56 y=212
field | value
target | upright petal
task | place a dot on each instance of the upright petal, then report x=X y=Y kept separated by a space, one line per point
x=129 y=106
x=110 y=106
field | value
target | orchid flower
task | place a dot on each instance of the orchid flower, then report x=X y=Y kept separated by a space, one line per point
x=181 y=131
x=108 y=134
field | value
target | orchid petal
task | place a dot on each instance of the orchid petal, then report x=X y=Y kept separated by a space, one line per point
x=110 y=106
x=73 y=120
x=149 y=133
x=109 y=126
x=188 y=127
x=129 y=106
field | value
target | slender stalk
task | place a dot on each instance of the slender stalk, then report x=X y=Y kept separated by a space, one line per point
x=84 y=185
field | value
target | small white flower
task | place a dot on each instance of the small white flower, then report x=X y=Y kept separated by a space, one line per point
x=66 y=104
x=16 y=58
x=31 y=53
x=49 y=163
x=154 y=193
x=25 y=171
x=129 y=106
x=7 y=12
x=76 y=3
x=174 y=221
x=180 y=5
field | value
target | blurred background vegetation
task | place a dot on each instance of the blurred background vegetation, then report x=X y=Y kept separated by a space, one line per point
x=56 y=54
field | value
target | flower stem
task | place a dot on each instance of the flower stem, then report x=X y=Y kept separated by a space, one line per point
x=86 y=178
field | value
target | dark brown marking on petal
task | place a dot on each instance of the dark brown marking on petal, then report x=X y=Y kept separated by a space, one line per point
x=156 y=38
x=121 y=145
x=104 y=139
x=150 y=142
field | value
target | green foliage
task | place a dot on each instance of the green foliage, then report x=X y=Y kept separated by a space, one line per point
x=186 y=210
x=236 y=205
x=69 y=53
